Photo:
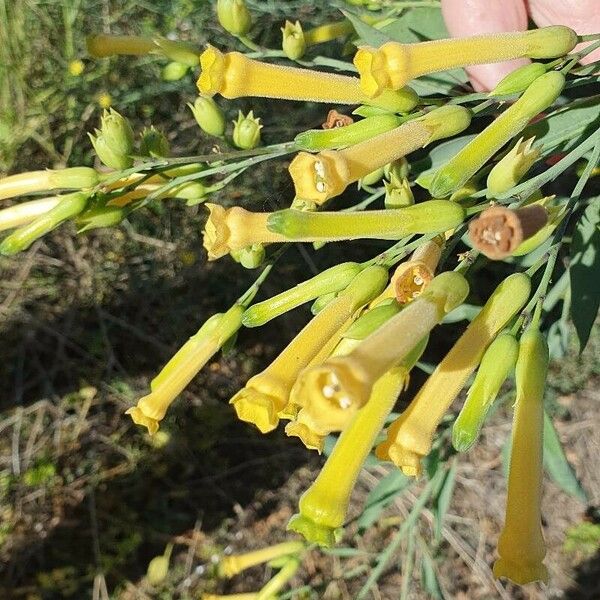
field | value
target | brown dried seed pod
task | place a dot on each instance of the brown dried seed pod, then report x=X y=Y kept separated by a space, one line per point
x=336 y=119
x=498 y=230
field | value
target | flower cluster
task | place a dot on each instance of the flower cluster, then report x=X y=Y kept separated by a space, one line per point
x=372 y=321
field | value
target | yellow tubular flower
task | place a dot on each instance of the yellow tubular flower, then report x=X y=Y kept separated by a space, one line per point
x=412 y=276
x=324 y=505
x=267 y=393
x=184 y=366
x=231 y=565
x=21 y=214
x=395 y=64
x=235 y=228
x=318 y=177
x=233 y=75
x=521 y=545
x=327 y=32
x=334 y=391
x=409 y=438
x=73 y=178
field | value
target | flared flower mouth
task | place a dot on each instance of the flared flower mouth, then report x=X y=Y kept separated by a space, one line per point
x=256 y=407
x=212 y=74
x=318 y=177
x=371 y=65
x=139 y=417
x=216 y=232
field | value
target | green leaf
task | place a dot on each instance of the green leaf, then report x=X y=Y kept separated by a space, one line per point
x=429 y=577
x=368 y=35
x=382 y=495
x=443 y=499
x=585 y=272
x=563 y=128
x=556 y=463
x=558 y=339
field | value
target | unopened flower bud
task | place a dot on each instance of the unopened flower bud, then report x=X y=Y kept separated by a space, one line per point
x=321 y=302
x=158 y=568
x=246 y=131
x=179 y=52
x=497 y=363
x=293 y=43
x=250 y=257
x=372 y=178
x=113 y=143
x=234 y=16
x=154 y=143
x=174 y=71
x=521 y=544
x=463 y=165
x=20 y=239
x=330 y=280
x=511 y=168
x=499 y=230
x=209 y=116
x=519 y=80
x=336 y=138
x=193 y=192
x=100 y=215
x=372 y=319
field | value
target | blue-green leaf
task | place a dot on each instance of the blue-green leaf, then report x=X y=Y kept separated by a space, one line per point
x=556 y=463
x=443 y=499
x=585 y=272
x=368 y=35
x=381 y=496
x=429 y=577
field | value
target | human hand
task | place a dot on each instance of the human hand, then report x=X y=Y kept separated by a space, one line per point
x=472 y=17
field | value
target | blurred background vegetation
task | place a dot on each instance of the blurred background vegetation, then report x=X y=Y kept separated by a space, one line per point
x=87 y=499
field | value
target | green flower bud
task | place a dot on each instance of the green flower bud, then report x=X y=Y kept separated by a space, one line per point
x=209 y=116
x=371 y=320
x=246 y=131
x=463 y=165
x=519 y=79
x=250 y=257
x=101 y=215
x=372 y=178
x=398 y=193
x=511 y=168
x=293 y=43
x=192 y=191
x=331 y=280
x=497 y=363
x=314 y=140
x=399 y=169
x=113 y=143
x=446 y=121
x=321 y=302
x=73 y=178
x=158 y=568
x=234 y=16
x=179 y=52
x=174 y=71
x=70 y=206
x=154 y=143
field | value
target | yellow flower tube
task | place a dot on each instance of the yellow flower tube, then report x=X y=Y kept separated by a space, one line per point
x=335 y=390
x=409 y=438
x=521 y=544
x=242 y=596
x=101 y=46
x=276 y=583
x=184 y=366
x=318 y=177
x=323 y=507
x=395 y=64
x=267 y=393
x=235 y=228
x=231 y=565
x=25 y=212
x=233 y=75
